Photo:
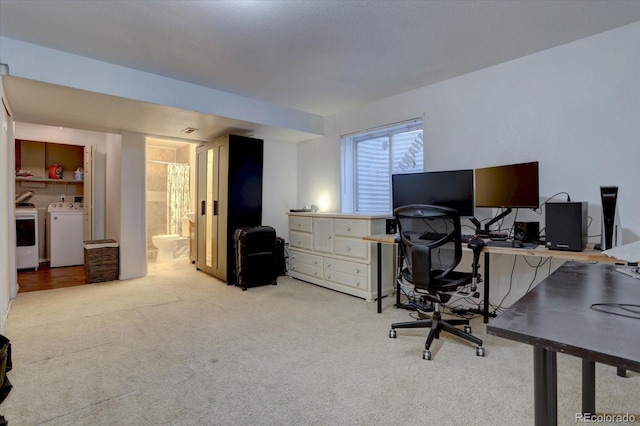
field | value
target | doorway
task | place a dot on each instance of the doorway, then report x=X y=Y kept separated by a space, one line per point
x=170 y=204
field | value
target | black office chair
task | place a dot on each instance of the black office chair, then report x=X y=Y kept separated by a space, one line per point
x=431 y=248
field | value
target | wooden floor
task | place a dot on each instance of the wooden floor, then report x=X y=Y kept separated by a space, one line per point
x=46 y=278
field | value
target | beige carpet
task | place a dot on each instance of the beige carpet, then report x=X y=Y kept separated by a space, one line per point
x=181 y=348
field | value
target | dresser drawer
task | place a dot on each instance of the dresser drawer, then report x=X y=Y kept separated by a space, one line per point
x=352 y=268
x=355 y=281
x=298 y=223
x=306 y=258
x=351 y=247
x=303 y=268
x=300 y=240
x=351 y=227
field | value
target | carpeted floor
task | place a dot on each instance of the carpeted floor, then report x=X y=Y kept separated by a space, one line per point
x=178 y=347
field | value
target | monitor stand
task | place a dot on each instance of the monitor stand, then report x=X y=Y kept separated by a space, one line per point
x=486 y=231
x=487 y=225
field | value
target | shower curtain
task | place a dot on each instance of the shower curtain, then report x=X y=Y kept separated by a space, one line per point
x=177 y=195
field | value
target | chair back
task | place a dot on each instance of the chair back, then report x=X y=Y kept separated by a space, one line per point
x=430 y=242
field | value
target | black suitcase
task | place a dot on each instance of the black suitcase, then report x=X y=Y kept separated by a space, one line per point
x=282 y=262
x=256 y=256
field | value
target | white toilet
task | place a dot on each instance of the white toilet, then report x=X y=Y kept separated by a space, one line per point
x=171 y=246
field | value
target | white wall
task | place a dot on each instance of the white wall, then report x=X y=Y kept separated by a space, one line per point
x=574 y=108
x=278 y=185
x=132 y=231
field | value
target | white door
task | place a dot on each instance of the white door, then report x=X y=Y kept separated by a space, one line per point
x=89 y=186
x=211 y=217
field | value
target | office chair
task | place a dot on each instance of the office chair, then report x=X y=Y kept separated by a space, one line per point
x=431 y=248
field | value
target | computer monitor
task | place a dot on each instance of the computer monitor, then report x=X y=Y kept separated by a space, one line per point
x=453 y=188
x=509 y=186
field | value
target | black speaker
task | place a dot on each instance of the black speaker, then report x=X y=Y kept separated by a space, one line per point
x=391 y=226
x=566 y=225
x=527 y=232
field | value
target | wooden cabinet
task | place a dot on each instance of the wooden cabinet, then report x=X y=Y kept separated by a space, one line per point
x=38 y=156
x=327 y=249
x=229 y=193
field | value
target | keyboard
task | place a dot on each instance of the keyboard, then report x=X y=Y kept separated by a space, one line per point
x=509 y=244
x=436 y=236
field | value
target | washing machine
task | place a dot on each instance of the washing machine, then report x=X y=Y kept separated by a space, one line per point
x=65 y=234
x=27 y=256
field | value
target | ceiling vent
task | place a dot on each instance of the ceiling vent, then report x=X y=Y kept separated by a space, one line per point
x=189 y=130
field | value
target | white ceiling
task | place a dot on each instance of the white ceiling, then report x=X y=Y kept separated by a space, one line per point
x=320 y=56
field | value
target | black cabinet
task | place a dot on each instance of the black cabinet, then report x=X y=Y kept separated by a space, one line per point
x=229 y=194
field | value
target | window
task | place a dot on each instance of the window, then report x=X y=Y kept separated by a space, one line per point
x=370 y=158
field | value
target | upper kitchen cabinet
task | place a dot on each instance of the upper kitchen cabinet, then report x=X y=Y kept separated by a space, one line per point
x=35 y=159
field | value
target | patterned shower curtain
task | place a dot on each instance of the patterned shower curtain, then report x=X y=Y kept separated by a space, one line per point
x=177 y=195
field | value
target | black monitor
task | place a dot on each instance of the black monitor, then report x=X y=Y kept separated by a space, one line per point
x=452 y=189
x=510 y=186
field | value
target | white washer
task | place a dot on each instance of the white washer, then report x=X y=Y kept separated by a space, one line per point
x=27 y=238
x=65 y=234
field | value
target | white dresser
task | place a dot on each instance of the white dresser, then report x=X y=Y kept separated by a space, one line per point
x=327 y=249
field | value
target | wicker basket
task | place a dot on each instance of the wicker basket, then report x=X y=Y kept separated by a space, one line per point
x=101 y=261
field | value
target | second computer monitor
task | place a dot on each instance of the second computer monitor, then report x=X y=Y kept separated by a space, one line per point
x=453 y=188
x=508 y=186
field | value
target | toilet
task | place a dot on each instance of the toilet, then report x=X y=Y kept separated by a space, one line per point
x=172 y=246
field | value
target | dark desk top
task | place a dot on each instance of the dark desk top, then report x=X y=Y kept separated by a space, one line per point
x=556 y=315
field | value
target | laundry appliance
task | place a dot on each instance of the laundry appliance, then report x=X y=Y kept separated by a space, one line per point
x=26 y=237
x=65 y=234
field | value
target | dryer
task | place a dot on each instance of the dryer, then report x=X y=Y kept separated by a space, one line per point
x=27 y=237
x=65 y=234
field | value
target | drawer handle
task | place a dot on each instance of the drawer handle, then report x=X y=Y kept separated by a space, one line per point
x=294 y=257
x=315 y=273
x=348 y=248
x=329 y=277
x=315 y=263
x=293 y=267
x=357 y=271
x=329 y=237
x=328 y=265
x=299 y=241
x=358 y=284
x=299 y=225
x=348 y=228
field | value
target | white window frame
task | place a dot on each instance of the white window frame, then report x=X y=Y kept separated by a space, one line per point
x=411 y=160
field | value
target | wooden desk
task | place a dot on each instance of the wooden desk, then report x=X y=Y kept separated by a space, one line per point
x=556 y=316
x=587 y=255
x=381 y=239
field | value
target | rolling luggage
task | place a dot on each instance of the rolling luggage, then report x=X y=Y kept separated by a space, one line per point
x=282 y=262
x=256 y=256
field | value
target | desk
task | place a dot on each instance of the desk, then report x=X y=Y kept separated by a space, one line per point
x=587 y=255
x=381 y=239
x=556 y=317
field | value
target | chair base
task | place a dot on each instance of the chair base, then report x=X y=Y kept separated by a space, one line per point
x=437 y=324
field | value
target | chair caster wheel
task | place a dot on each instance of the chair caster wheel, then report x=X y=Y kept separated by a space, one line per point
x=467 y=329
x=480 y=351
x=392 y=334
x=426 y=355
